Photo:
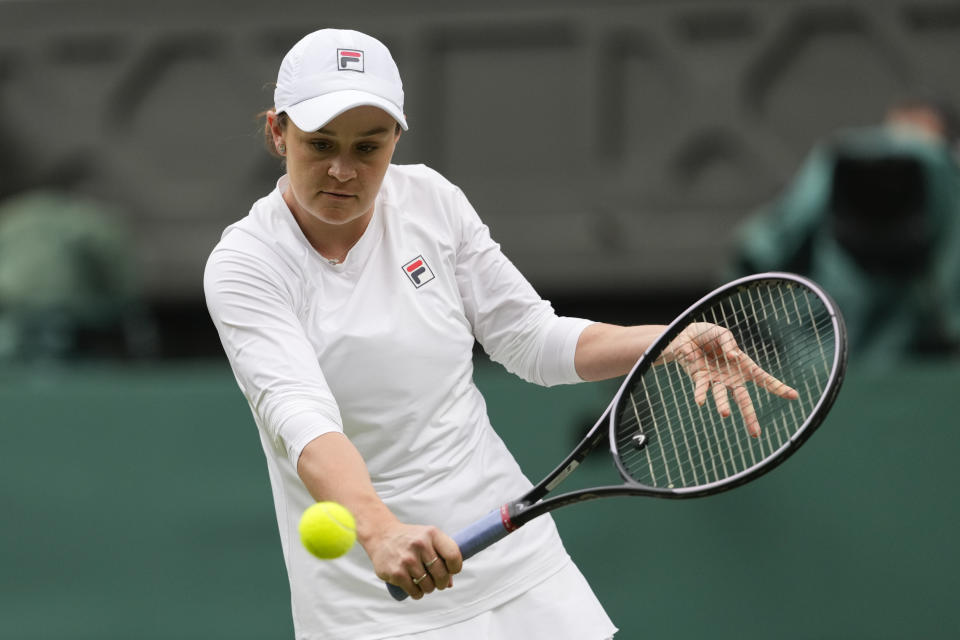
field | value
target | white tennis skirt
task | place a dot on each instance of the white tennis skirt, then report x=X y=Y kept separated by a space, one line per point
x=562 y=607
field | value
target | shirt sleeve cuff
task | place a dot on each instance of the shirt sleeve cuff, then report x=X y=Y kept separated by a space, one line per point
x=302 y=429
x=559 y=350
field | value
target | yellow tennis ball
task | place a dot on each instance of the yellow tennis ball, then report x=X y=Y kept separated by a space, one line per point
x=327 y=530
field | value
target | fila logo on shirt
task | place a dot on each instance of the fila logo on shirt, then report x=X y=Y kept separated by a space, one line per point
x=350 y=60
x=418 y=272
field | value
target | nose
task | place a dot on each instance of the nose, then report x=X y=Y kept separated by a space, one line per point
x=341 y=169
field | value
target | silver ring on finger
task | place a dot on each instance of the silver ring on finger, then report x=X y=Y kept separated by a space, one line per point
x=417 y=581
x=428 y=564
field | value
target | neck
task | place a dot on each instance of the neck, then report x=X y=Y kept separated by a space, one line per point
x=332 y=241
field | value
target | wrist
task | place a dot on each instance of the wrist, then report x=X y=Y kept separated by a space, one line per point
x=374 y=526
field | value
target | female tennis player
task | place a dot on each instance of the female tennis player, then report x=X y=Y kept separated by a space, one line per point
x=348 y=301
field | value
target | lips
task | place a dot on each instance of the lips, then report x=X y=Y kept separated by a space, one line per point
x=339 y=195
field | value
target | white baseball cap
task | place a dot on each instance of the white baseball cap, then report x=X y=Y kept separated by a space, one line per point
x=333 y=70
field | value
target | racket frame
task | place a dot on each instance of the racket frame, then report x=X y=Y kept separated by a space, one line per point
x=533 y=504
x=512 y=515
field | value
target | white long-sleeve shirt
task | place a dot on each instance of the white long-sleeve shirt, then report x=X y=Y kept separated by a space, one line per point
x=380 y=348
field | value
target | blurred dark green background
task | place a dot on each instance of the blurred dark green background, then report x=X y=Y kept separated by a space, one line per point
x=136 y=505
x=614 y=148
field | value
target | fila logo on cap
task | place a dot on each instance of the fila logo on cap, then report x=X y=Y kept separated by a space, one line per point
x=418 y=272
x=350 y=60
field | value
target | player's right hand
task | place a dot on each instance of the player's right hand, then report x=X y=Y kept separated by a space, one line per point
x=401 y=555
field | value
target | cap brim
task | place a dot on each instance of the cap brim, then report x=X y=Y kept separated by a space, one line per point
x=314 y=113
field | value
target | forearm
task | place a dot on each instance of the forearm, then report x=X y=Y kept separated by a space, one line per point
x=332 y=469
x=607 y=351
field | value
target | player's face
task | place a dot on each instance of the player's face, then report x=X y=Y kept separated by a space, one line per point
x=335 y=173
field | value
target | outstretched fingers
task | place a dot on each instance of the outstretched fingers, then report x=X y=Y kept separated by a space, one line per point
x=743 y=366
x=718 y=367
x=775 y=386
x=701 y=383
x=749 y=413
x=720 y=398
x=737 y=370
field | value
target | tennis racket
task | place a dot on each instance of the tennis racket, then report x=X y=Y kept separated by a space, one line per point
x=668 y=440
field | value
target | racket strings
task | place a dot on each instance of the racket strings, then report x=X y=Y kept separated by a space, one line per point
x=718 y=452
x=665 y=439
x=698 y=457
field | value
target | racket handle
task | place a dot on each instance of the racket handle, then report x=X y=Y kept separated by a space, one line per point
x=472 y=539
x=476 y=537
x=397 y=593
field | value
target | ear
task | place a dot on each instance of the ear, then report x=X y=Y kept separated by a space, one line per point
x=275 y=129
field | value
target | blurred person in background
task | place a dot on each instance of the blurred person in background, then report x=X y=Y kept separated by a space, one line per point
x=873 y=215
x=928 y=117
x=348 y=303
x=68 y=287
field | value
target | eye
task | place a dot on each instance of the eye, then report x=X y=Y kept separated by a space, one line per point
x=367 y=147
x=321 y=145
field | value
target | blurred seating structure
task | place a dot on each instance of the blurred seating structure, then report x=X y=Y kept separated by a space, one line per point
x=874 y=216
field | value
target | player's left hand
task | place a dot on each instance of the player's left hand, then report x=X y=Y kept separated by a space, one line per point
x=714 y=361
